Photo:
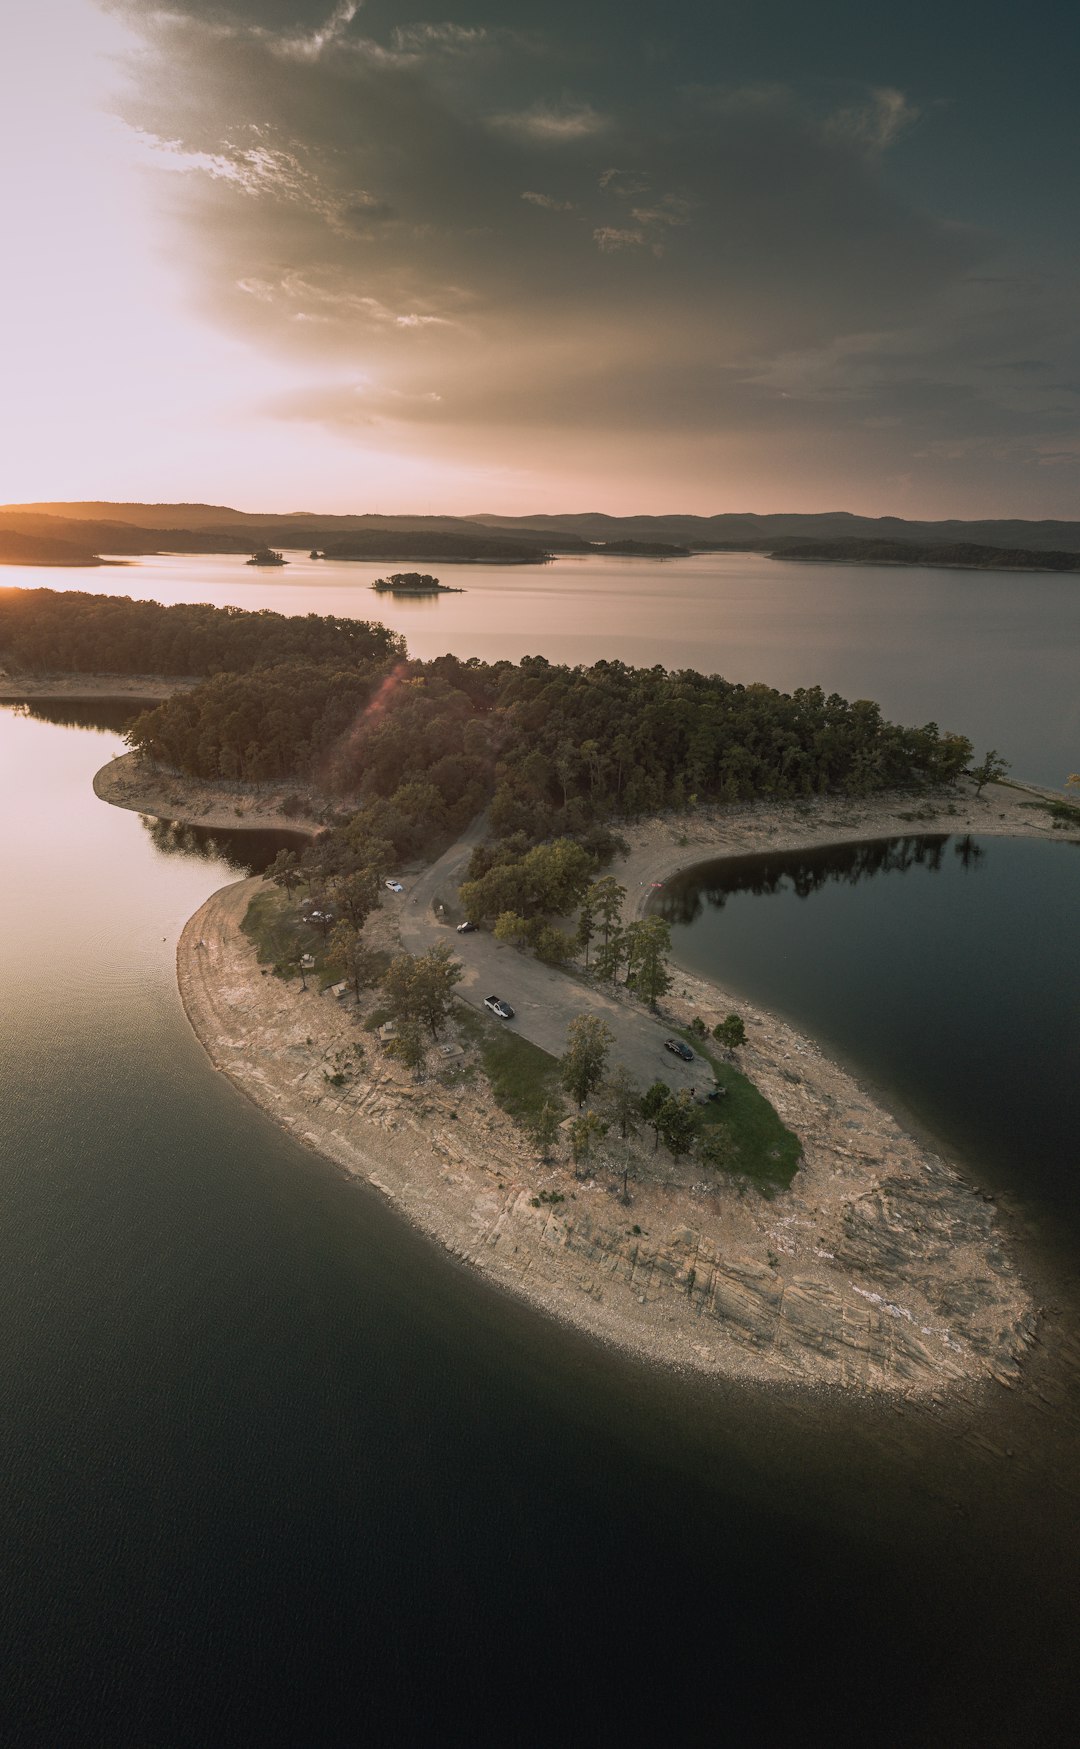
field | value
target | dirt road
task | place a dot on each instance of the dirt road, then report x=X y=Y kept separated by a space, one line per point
x=544 y=999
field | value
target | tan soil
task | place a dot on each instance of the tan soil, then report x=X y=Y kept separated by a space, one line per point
x=879 y=1270
x=130 y=781
x=148 y=688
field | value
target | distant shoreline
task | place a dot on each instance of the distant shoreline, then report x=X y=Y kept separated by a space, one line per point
x=921 y=564
x=147 y=689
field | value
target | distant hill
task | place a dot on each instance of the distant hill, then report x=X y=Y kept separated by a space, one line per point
x=28 y=549
x=960 y=555
x=176 y=528
x=748 y=531
x=147 y=528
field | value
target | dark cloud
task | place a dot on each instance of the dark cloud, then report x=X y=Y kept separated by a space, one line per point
x=482 y=226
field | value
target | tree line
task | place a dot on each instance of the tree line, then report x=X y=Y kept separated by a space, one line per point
x=45 y=629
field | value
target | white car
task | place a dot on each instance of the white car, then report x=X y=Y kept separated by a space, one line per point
x=499 y=1007
x=395 y=886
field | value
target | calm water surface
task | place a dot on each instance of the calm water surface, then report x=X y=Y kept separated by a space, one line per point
x=994 y=655
x=947 y=969
x=274 y=1470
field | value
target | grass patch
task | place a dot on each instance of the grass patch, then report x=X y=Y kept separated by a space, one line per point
x=272 y=925
x=1062 y=813
x=767 y=1152
x=523 y=1077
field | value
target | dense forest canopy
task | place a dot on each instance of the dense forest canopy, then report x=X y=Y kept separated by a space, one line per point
x=45 y=629
x=553 y=750
x=417 y=748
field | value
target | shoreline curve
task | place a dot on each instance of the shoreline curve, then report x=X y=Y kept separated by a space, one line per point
x=880 y=1271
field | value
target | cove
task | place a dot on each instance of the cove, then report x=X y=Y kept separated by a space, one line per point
x=945 y=969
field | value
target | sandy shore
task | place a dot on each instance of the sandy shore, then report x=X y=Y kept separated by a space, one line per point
x=129 y=781
x=140 y=688
x=880 y=1269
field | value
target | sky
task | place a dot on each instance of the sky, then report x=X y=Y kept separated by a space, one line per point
x=542 y=255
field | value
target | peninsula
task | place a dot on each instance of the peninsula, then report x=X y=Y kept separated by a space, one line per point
x=840 y=1279
x=735 y=1203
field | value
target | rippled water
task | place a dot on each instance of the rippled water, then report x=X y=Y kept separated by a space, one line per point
x=993 y=655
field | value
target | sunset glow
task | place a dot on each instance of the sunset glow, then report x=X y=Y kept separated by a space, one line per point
x=288 y=254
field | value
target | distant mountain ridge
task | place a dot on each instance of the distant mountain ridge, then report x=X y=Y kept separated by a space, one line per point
x=747 y=529
x=132 y=528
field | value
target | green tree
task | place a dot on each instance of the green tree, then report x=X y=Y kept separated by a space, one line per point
x=731 y=1031
x=356 y=895
x=348 y=953
x=421 y=988
x=409 y=1047
x=588 y=1040
x=610 y=955
x=991 y=768
x=622 y=1102
x=585 y=1132
x=545 y=1129
x=586 y=925
x=652 y=1104
x=648 y=944
x=677 y=1121
x=608 y=898
x=284 y=871
x=551 y=945
x=510 y=927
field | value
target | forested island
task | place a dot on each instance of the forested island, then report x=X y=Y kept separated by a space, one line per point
x=477 y=548
x=413 y=583
x=29 y=549
x=642 y=549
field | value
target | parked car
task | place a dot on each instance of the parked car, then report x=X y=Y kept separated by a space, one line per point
x=395 y=886
x=499 y=1007
x=466 y=928
x=678 y=1049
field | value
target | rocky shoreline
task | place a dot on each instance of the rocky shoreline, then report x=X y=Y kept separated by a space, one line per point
x=879 y=1271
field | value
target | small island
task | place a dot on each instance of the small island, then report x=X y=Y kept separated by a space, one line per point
x=413 y=583
x=267 y=556
x=641 y=549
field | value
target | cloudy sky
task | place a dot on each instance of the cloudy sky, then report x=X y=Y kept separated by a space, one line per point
x=543 y=254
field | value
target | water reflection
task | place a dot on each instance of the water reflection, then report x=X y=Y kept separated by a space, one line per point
x=251 y=851
x=108 y=716
x=804 y=872
x=914 y=982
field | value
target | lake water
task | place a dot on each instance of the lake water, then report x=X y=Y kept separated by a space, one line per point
x=993 y=655
x=276 y=1470
x=947 y=969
